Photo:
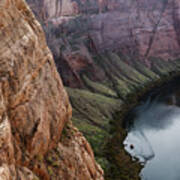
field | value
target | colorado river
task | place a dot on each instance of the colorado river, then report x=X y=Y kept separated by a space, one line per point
x=154 y=139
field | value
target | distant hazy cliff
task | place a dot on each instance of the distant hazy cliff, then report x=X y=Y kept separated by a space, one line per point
x=140 y=29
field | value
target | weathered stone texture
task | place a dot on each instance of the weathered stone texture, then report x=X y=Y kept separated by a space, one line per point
x=34 y=106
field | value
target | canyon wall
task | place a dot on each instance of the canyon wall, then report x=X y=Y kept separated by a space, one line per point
x=37 y=138
x=140 y=29
x=109 y=52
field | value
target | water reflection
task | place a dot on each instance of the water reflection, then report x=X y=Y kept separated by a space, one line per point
x=154 y=138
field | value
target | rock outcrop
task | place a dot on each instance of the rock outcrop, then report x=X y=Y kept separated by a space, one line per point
x=37 y=139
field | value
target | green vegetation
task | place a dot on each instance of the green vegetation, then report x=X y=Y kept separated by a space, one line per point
x=126 y=69
x=161 y=67
x=99 y=88
x=50 y=171
x=99 y=109
x=91 y=114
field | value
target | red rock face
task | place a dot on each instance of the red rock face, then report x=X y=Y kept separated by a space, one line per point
x=139 y=29
x=149 y=28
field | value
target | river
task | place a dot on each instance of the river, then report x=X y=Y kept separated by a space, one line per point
x=154 y=139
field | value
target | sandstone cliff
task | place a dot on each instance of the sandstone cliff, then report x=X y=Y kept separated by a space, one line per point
x=37 y=139
x=140 y=29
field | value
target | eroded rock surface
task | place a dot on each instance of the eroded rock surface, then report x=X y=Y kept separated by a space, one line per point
x=34 y=107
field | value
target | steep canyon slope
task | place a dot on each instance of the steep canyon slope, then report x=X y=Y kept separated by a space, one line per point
x=108 y=52
x=37 y=138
